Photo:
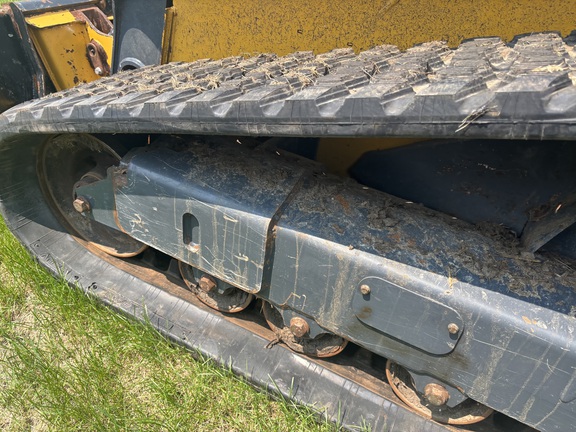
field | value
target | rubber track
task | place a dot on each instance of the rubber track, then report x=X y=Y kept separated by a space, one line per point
x=525 y=89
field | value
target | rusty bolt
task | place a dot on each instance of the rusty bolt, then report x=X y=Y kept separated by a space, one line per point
x=453 y=328
x=365 y=289
x=98 y=70
x=207 y=283
x=81 y=204
x=436 y=394
x=299 y=327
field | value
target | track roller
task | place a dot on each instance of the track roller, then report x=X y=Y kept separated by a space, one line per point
x=213 y=292
x=295 y=335
x=433 y=399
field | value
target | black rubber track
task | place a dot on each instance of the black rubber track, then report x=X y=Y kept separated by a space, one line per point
x=524 y=89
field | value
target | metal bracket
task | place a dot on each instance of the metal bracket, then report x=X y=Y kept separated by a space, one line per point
x=138 y=29
x=407 y=316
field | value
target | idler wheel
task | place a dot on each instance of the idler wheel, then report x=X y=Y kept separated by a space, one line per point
x=66 y=162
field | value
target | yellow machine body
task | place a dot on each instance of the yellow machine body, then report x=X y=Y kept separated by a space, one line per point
x=205 y=28
x=61 y=39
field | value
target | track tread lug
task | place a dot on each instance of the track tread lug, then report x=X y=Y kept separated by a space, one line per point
x=428 y=89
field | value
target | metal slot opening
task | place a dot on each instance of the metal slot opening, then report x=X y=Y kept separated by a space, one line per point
x=190 y=229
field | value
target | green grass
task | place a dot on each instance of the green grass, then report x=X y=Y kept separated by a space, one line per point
x=68 y=363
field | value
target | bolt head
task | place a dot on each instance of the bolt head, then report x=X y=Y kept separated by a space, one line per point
x=365 y=289
x=299 y=327
x=436 y=394
x=81 y=205
x=453 y=328
x=98 y=70
x=207 y=283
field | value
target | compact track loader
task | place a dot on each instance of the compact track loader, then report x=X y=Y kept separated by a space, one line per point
x=369 y=206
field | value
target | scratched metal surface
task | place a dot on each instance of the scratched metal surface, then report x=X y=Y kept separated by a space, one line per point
x=278 y=369
x=445 y=263
x=163 y=185
x=331 y=235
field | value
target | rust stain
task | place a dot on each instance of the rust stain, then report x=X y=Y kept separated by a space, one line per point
x=343 y=203
x=366 y=312
x=535 y=322
x=338 y=229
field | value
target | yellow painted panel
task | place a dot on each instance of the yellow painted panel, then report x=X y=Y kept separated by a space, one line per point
x=208 y=28
x=339 y=154
x=61 y=41
x=105 y=40
x=51 y=19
